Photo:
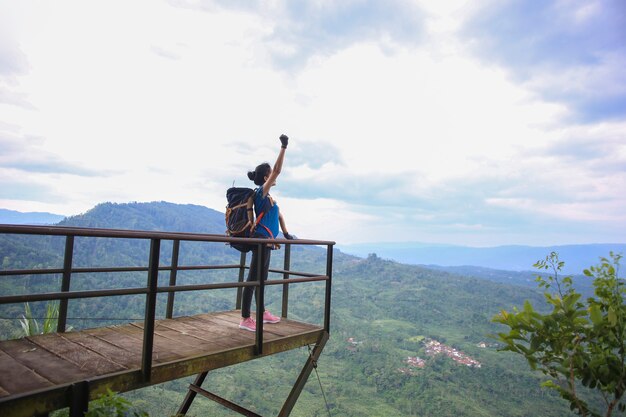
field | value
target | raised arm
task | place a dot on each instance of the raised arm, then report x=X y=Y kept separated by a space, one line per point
x=278 y=166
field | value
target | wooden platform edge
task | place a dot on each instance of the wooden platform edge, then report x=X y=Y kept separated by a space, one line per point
x=47 y=400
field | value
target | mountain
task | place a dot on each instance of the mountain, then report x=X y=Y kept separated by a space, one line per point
x=509 y=258
x=383 y=313
x=17 y=251
x=153 y=216
x=35 y=218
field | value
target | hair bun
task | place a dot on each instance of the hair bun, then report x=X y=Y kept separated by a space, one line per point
x=251 y=175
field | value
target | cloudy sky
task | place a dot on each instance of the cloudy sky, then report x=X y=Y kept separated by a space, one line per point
x=475 y=123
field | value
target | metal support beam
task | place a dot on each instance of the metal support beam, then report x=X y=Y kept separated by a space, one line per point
x=304 y=376
x=242 y=271
x=191 y=394
x=228 y=404
x=148 y=326
x=329 y=274
x=290 y=402
x=196 y=388
x=79 y=401
x=286 y=267
x=260 y=298
x=173 y=272
x=65 y=283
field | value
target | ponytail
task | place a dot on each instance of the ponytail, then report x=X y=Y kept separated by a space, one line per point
x=258 y=175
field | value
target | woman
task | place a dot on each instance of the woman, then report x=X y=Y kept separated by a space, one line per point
x=265 y=207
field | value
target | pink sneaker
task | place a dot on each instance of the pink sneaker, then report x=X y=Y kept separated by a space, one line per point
x=269 y=317
x=248 y=323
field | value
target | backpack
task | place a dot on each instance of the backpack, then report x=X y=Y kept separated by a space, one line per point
x=240 y=200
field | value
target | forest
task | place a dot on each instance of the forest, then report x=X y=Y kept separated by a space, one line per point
x=383 y=313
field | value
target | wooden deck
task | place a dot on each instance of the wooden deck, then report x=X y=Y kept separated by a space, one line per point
x=37 y=373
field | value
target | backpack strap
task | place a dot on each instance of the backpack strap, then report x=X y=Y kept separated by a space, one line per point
x=260 y=216
x=249 y=209
x=264 y=226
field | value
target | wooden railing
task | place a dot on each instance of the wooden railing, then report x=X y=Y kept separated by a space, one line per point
x=153 y=268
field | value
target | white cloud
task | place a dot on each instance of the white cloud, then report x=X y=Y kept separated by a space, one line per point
x=415 y=111
x=591 y=82
x=584 y=212
x=174 y=103
x=329 y=219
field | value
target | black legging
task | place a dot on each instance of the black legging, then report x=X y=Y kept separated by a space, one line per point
x=252 y=276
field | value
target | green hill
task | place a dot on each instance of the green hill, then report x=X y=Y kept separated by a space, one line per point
x=383 y=312
x=162 y=216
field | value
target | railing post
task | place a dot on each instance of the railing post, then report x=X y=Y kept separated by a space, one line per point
x=260 y=297
x=65 y=283
x=329 y=274
x=286 y=276
x=242 y=270
x=170 y=295
x=79 y=401
x=148 y=324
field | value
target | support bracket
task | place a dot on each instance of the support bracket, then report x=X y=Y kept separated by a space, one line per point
x=311 y=362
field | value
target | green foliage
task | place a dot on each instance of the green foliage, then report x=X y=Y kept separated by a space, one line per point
x=30 y=326
x=112 y=405
x=580 y=345
x=52 y=318
x=109 y=404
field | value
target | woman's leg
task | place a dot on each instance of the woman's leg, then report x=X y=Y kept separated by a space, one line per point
x=252 y=276
x=248 y=291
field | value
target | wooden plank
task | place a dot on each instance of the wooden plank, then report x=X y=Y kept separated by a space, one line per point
x=283 y=328
x=185 y=328
x=235 y=315
x=272 y=332
x=167 y=348
x=132 y=342
x=292 y=327
x=47 y=364
x=233 y=323
x=226 y=330
x=17 y=378
x=75 y=353
x=192 y=345
x=299 y=324
x=173 y=334
x=296 y=326
x=112 y=352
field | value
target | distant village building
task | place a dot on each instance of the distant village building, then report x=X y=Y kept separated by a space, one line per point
x=352 y=344
x=434 y=348
x=415 y=362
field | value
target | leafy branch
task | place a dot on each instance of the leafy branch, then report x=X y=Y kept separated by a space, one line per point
x=577 y=342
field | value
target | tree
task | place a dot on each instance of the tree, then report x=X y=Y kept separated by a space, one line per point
x=579 y=345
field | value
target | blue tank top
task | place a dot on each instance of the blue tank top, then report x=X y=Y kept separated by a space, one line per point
x=270 y=218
